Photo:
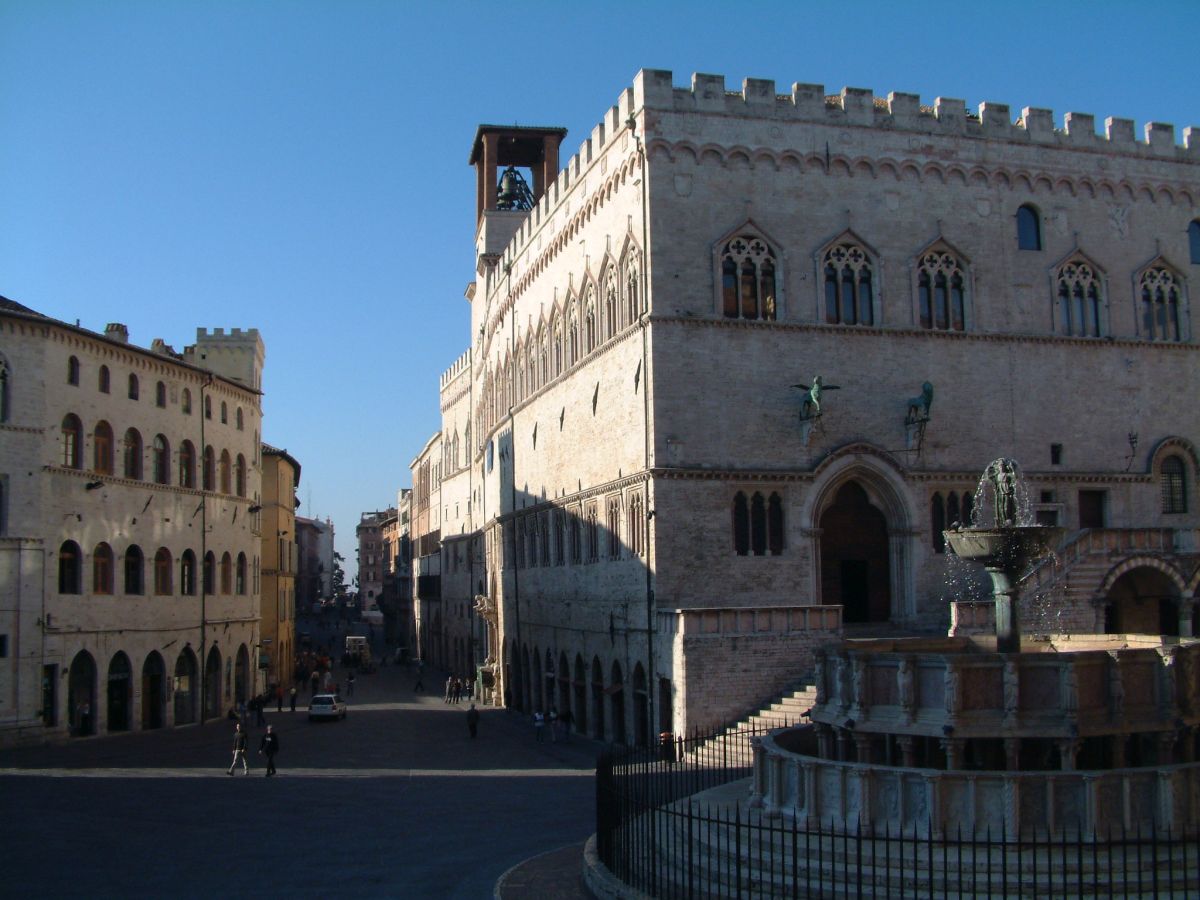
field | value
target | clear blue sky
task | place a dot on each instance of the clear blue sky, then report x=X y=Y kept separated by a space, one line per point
x=301 y=167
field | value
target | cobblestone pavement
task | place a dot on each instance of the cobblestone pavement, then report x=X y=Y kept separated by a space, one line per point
x=395 y=801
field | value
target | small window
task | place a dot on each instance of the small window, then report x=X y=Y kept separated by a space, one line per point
x=224 y=413
x=208 y=407
x=133 y=387
x=1056 y=454
x=1194 y=242
x=239 y=419
x=73 y=371
x=160 y=395
x=187 y=573
x=104 y=380
x=185 y=401
x=1173 y=485
x=1029 y=229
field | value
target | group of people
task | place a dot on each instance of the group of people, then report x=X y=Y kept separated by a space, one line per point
x=268 y=747
x=554 y=723
x=458 y=689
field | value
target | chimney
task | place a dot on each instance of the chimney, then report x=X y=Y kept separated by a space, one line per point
x=115 y=331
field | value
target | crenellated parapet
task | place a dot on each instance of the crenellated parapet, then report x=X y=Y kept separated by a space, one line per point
x=457 y=368
x=654 y=89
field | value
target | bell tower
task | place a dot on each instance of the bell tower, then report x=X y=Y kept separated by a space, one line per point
x=511 y=146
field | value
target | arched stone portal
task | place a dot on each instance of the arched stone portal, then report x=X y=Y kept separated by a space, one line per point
x=241 y=675
x=120 y=693
x=212 y=684
x=154 y=675
x=81 y=694
x=855 y=557
x=1144 y=600
x=185 y=687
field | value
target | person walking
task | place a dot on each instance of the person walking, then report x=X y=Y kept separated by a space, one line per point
x=419 y=685
x=539 y=726
x=472 y=720
x=566 y=719
x=315 y=680
x=553 y=721
x=449 y=688
x=239 y=750
x=350 y=685
x=269 y=747
x=279 y=698
x=293 y=698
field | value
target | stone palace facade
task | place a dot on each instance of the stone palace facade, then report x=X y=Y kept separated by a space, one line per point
x=130 y=505
x=746 y=355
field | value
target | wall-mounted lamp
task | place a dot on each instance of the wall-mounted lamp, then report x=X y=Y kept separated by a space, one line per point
x=93 y=485
x=254 y=509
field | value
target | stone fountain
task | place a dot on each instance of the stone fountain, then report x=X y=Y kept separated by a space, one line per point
x=1087 y=735
x=1007 y=549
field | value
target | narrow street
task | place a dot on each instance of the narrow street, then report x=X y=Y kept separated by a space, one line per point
x=397 y=800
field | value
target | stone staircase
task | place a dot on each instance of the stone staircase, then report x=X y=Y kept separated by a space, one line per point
x=732 y=745
x=1065 y=587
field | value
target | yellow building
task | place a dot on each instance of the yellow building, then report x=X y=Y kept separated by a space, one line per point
x=281 y=477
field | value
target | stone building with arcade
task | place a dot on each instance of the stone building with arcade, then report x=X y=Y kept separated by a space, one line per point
x=736 y=365
x=130 y=502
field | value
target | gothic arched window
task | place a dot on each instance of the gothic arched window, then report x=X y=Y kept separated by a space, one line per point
x=941 y=292
x=849 y=285
x=1161 y=296
x=72 y=441
x=1080 y=297
x=1194 y=242
x=749 y=289
x=741 y=524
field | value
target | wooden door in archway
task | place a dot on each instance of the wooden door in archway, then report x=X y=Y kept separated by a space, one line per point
x=854 y=557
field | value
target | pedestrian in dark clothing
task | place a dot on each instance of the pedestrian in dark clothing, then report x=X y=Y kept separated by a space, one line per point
x=239 y=750
x=472 y=720
x=293 y=698
x=269 y=747
x=350 y=685
x=420 y=685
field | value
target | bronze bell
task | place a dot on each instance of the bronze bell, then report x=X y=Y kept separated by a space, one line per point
x=509 y=194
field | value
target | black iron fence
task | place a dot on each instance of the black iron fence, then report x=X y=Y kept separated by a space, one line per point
x=674 y=821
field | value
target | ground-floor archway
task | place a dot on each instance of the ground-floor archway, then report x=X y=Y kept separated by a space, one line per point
x=81 y=694
x=185 y=687
x=120 y=693
x=241 y=674
x=1143 y=600
x=855 y=557
x=212 y=684
x=153 y=691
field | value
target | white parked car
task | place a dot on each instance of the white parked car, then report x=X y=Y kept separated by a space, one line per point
x=326 y=706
